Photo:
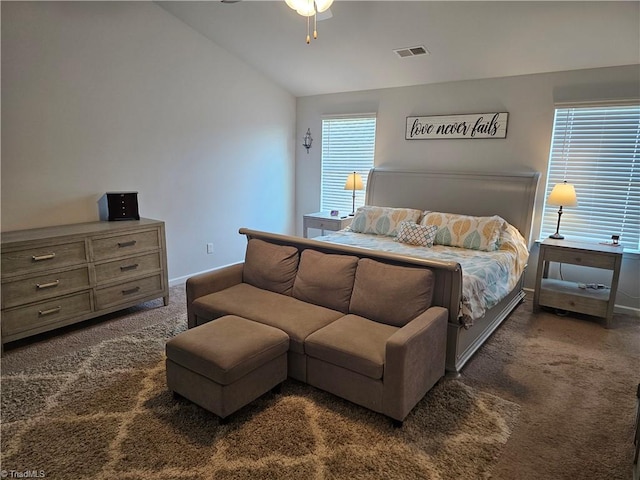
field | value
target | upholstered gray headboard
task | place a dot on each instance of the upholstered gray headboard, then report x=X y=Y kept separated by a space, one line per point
x=510 y=195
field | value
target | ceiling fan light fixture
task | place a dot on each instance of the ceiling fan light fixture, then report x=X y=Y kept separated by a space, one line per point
x=310 y=8
x=306 y=8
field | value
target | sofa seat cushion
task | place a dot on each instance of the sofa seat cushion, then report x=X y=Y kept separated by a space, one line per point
x=325 y=279
x=298 y=319
x=352 y=342
x=227 y=349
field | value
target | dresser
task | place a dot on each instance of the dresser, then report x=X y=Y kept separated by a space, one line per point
x=57 y=276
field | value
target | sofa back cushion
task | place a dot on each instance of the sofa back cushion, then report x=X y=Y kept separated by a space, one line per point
x=325 y=279
x=269 y=266
x=390 y=294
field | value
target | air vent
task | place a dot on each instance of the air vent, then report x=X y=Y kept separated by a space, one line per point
x=411 y=51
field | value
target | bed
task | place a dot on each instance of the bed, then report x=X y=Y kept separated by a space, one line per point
x=475 y=310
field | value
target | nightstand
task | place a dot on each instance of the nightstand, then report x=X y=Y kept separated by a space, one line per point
x=324 y=221
x=570 y=296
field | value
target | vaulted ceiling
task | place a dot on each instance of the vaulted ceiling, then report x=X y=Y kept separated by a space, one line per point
x=465 y=40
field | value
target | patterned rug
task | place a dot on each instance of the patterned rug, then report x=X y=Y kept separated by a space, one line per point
x=104 y=412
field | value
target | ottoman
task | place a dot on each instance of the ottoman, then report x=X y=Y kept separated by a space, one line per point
x=227 y=363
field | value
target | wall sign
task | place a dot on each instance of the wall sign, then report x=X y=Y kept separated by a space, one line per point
x=475 y=125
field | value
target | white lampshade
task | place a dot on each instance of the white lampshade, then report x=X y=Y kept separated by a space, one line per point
x=354 y=182
x=563 y=195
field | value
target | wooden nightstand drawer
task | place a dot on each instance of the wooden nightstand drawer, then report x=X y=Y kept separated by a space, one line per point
x=577 y=257
x=47 y=257
x=125 y=292
x=39 y=315
x=322 y=224
x=43 y=286
x=122 y=245
x=128 y=268
x=568 y=296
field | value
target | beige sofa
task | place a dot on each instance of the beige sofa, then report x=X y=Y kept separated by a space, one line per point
x=359 y=328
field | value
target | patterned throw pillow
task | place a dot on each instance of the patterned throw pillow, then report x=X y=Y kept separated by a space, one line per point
x=382 y=220
x=465 y=231
x=414 y=234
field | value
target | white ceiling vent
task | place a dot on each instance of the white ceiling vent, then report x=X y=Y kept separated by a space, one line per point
x=411 y=51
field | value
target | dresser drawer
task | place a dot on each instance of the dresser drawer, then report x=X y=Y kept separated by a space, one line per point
x=35 y=259
x=127 y=244
x=43 y=286
x=126 y=292
x=128 y=267
x=51 y=312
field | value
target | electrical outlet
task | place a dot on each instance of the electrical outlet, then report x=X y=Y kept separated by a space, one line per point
x=209 y=248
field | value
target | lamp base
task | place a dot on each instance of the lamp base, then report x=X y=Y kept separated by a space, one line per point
x=557 y=236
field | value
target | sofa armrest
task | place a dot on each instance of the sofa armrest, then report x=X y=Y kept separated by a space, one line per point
x=414 y=361
x=210 y=282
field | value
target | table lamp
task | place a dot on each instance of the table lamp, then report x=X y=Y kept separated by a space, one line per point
x=563 y=194
x=354 y=182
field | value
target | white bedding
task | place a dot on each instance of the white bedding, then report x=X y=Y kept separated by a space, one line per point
x=487 y=277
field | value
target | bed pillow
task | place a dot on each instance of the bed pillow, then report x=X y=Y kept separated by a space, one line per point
x=269 y=266
x=465 y=231
x=390 y=294
x=414 y=234
x=382 y=220
x=325 y=279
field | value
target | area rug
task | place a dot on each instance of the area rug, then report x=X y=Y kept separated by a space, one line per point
x=104 y=412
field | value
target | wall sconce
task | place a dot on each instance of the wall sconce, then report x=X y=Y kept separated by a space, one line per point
x=306 y=142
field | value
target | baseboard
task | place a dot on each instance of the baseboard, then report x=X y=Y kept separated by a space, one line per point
x=182 y=280
x=617 y=308
x=634 y=312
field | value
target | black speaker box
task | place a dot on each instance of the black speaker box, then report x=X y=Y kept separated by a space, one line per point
x=119 y=206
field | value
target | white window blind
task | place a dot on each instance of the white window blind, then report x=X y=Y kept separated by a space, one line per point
x=597 y=149
x=348 y=145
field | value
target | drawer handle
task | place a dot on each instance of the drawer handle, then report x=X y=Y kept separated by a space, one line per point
x=130 y=243
x=42 y=313
x=39 y=258
x=47 y=285
x=130 y=291
x=125 y=268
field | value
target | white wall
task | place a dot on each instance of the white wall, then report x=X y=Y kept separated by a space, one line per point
x=108 y=96
x=529 y=100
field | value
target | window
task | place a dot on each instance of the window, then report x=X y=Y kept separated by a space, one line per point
x=348 y=144
x=597 y=148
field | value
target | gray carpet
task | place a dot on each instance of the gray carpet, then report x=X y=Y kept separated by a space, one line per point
x=576 y=383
